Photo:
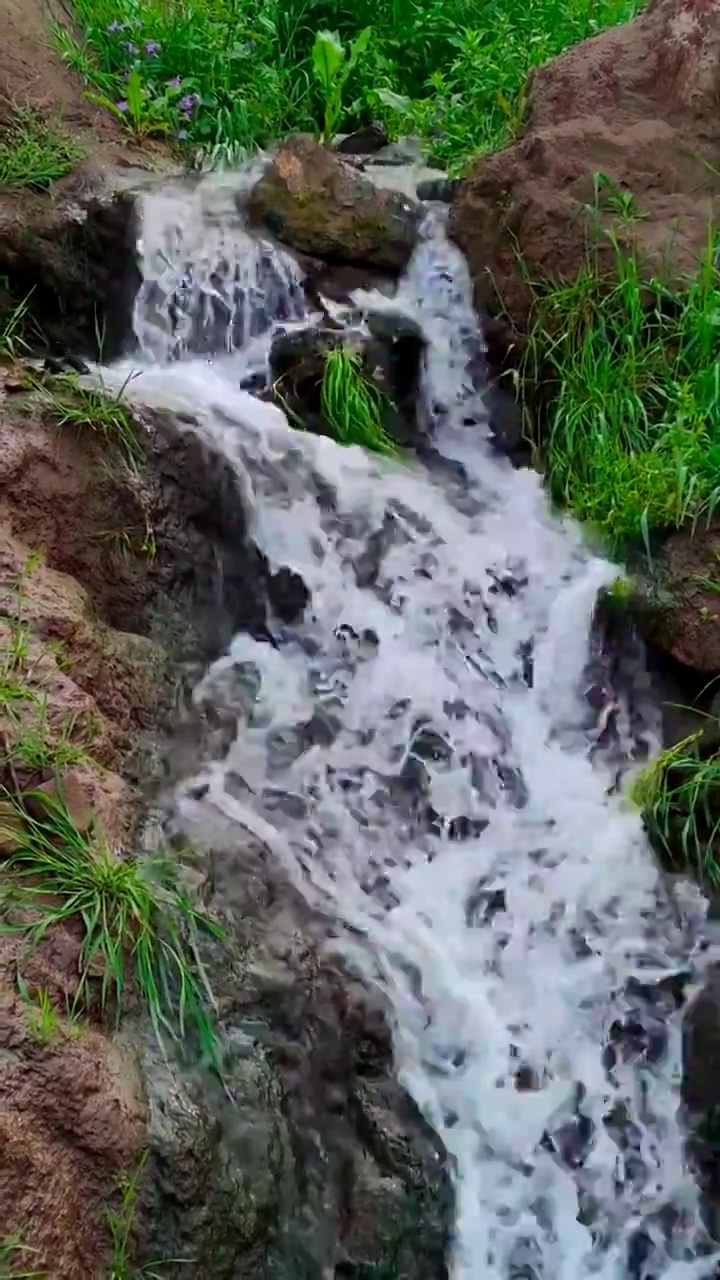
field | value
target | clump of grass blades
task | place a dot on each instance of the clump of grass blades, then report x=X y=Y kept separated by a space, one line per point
x=121 y=1224
x=12 y=341
x=139 y=923
x=679 y=795
x=352 y=407
x=36 y=745
x=12 y=1261
x=35 y=152
x=633 y=440
x=83 y=408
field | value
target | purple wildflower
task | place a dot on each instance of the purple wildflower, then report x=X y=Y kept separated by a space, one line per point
x=122 y=106
x=131 y=48
x=115 y=27
x=174 y=83
x=152 y=48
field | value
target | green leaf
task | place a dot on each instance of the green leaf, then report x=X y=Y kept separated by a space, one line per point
x=395 y=101
x=358 y=47
x=328 y=56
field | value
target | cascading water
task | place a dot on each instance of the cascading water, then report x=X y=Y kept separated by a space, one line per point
x=416 y=755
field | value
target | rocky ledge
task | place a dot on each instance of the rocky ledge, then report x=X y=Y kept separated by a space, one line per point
x=125 y=566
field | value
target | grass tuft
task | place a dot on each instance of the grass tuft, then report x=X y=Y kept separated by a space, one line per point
x=140 y=925
x=13 y=1261
x=352 y=407
x=35 y=153
x=12 y=329
x=679 y=795
x=633 y=439
x=72 y=404
x=121 y=1224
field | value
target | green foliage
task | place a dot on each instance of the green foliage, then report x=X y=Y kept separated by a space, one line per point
x=352 y=407
x=332 y=67
x=139 y=923
x=43 y=1019
x=35 y=152
x=679 y=795
x=227 y=77
x=36 y=746
x=14 y=1256
x=12 y=329
x=633 y=440
x=141 y=110
x=121 y=1224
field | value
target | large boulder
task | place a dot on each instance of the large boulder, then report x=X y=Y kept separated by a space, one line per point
x=309 y=1160
x=312 y=201
x=637 y=103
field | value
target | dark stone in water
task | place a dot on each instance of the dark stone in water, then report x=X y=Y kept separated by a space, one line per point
x=441 y=190
x=288 y=594
x=364 y=141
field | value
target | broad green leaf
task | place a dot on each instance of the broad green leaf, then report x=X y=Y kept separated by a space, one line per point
x=358 y=47
x=328 y=56
x=395 y=101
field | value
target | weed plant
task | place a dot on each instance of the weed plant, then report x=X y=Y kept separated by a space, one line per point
x=679 y=795
x=227 y=77
x=35 y=152
x=139 y=923
x=352 y=407
x=633 y=438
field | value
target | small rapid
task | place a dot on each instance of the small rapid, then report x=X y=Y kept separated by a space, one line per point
x=419 y=758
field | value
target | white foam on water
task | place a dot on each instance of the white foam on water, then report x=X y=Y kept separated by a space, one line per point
x=506 y=956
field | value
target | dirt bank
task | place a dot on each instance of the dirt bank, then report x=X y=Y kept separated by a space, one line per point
x=637 y=104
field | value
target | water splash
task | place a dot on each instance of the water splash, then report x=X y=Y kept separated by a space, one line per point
x=416 y=759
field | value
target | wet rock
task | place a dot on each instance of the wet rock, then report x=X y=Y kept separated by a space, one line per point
x=391 y=357
x=288 y=594
x=311 y=1156
x=364 y=141
x=701 y=1092
x=404 y=151
x=440 y=189
x=637 y=103
x=77 y=258
x=308 y=199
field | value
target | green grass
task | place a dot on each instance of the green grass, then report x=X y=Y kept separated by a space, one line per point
x=352 y=407
x=679 y=795
x=44 y=1021
x=88 y=409
x=632 y=441
x=34 y=743
x=227 y=77
x=12 y=329
x=140 y=926
x=35 y=152
x=14 y=1256
x=121 y=1224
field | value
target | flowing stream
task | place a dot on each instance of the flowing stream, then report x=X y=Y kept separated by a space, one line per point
x=419 y=756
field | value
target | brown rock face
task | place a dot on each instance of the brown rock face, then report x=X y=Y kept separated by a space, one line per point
x=309 y=199
x=638 y=103
x=688 y=622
